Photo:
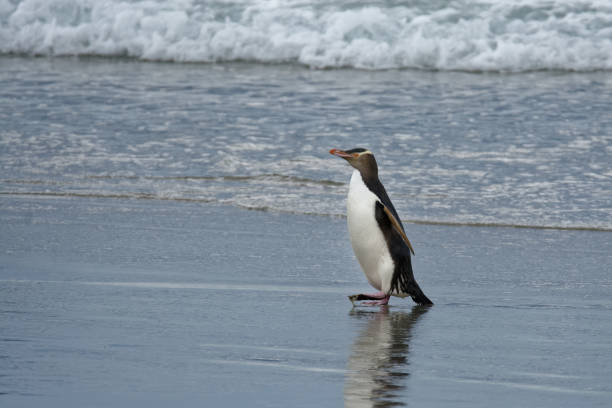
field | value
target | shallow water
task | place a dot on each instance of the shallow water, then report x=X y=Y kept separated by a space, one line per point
x=132 y=302
x=524 y=149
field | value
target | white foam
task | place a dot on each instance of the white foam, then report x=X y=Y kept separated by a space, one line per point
x=486 y=35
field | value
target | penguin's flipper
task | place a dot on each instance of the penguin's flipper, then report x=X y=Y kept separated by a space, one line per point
x=397 y=227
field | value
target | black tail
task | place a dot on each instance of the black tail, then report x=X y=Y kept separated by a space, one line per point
x=403 y=280
x=418 y=296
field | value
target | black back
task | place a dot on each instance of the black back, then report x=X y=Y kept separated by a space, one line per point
x=377 y=188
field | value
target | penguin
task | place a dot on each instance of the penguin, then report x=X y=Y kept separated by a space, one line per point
x=377 y=234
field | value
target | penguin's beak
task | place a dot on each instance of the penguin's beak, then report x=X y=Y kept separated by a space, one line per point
x=341 y=153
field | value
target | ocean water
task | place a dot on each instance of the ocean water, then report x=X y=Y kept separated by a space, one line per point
x=489 y=35
x=526 y=149
x=135 y=135
x=478 y=112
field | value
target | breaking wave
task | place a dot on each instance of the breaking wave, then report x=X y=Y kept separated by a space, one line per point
x=488 y=35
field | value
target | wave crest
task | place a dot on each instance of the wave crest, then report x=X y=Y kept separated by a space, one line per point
x=453 y=35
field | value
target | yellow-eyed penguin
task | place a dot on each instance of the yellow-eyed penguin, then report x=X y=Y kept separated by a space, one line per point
x=377 y=234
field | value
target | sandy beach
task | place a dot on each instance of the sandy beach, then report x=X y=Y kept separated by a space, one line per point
x=121 y=302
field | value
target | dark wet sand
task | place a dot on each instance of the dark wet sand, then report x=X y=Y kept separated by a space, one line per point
x=109 y=302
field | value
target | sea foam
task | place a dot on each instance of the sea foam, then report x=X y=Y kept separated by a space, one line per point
x=488 y=35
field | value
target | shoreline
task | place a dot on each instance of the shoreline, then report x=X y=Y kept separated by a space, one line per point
x=146 y=196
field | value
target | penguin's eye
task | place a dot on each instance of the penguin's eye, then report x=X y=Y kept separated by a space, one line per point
x=355 y=155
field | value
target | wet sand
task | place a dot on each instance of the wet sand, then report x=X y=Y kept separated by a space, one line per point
x=111 y=302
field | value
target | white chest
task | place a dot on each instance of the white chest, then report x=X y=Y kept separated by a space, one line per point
x=366 y=238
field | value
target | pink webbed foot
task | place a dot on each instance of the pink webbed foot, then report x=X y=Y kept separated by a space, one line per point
x=378 y=298
x=381 y=302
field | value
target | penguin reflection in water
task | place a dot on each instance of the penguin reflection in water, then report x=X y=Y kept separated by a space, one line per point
x=379 y=361
x=377 y=234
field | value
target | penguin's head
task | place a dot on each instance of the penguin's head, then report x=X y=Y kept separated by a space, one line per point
x=361 y=159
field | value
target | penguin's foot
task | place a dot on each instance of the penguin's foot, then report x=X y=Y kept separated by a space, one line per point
x=380 y=302
x=378 y=298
